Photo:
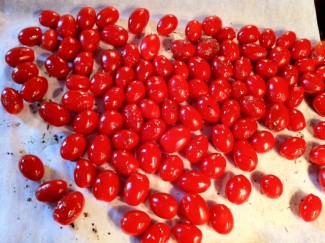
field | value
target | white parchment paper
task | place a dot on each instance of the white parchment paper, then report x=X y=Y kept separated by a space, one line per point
x=24 y=219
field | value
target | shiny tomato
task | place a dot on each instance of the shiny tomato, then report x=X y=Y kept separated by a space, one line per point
x=253 y=52
x=34 y=89
x=277 y=90
x=162 y=66
x=190 y=117
x=321 y=178
x=106 y=186
x=149 y=109
x=124 y=76
x=156 y=88
x=125 y=139
x=195 y=182
x=293 y=148
x=133 y=118
x=110 y=122
x=197 y=149
x=30 y=36
x=295 y=97
x=124 y=162
x=194 y=209
x=238 y=89
x=220 y=89
x=271 y=186
x=318 y=53
x=135 y=222
x=49 y=18
x=130 y=54
x=226 y=33
x=244 y=155
x=24 y=71
x=69 y=208
x=300 y=49
x=57 y=66
x=211 y=25
x=262 y=141
x=193 y=30
x=68 y=48
x=244 y=128
x=276 y=117
x=311 y=83
x=78 y=100
x=280 y=56
x=89 y=40
x=248 y=34
x=199 y=68
x=76 y=81
x=242 y=68
x=67 y=26
x=290 y=74
x=169 y=111
x=51 y=191
x=167 y=24
x=153 y=129
x=11 y=100
x=310 y=207
x=144 y=69
x=186 y=233
x=83 y=64
x=175 y=139
x=317 y=155
x=99 y=149
x=286 y=39
x=208 y=108
x=18 y=55
x=221 y=219
x=221 y=68
x=86 y=18
x=318 y=103
x=149 y=46
x=149 y=157
x=50 y=40
x=73 y=146
x=266 y=68
x=180 y=68
x=138 y=20
x=136 y=189
x=222 y=138
x=111 y=61
x=171 y=168
x=114 y=98
x=182 y=49
x=267 y=38
x=100 y=83
x=305 y=65
x=135 y=92
x=230 y=50
x=84 y=173
x=198 y=88
x=230 y=112
x=163 y=205
x=31 y=167
x=107 y=16
x=319 y=130
x=256 y=85
x=207 y=48
x=213 y=165
x=297 y=120
x=54 y=114
x=238 y=189
x=158 y=232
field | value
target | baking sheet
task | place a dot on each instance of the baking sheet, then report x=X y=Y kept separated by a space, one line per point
x=24 y=219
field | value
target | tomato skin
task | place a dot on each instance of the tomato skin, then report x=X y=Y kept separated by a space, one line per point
x=221 y=219
x=295 y=97
x=99 y=149
x=86 y=18
x=132 y=117
x=244 y=128
x=244 y=155
x=238 y=189
x=144 y=69
x=149 y=109
x=318 y=53
x=167 y=24
x=130 y=54
x=230 y=50
x=319 y=130
x=171 y=168
x=242 y=68
x=211 y=25
x=253 y=52
x=208 y=108
x=69 y=208
x=226 y=33
x=69 y=48
x=238 y=90
x=156 y=89
x=317 y=155
x=311 y=83
x=187 y=233
x=125 y=139
x=31 y=167
x=162 y=66
x=138 y=20
x=51 y=191
x=310 y=207
x=114 y=35
x=84 y=173
x=271 y=186
x=89 y=40
x=78 y=100
x=83 y=64
x=11 y=100
x=277 y=117
x=194 y=209
x=199 y=68
x=57 y=66
x=163 y=205
x=182 y=49
x=222 y=138
x=67 y=26
x=107 y=16
x=49 y=18
x=136 y=189
x=149 y=46
x=262 y=141
x=106 y=186
x=18 y=55
x=220 y=90
x=76 y=81
x=124 y=162
x=195 y=182
x=30 y=36
x=207 y=48
x=135 y=222
x=152 y=130
x=149 y=157
x=135 y=92
x=73 y=147
x=110 y=122
x=193 y=30
x=286 y=39
x=158 y=232
x=277 y=90
x=267 y=38
x=266 y=68
x=221 y=68
x=321 y=178
x=50 y=40
x=280 y=56
x=169 y=111
x=300 y=49
x=318 y=102
x=180 y=68
x=213 y=165
x=111 y=61
x=175 y=139
x=289 y=73
x=34 y=89
x=24 y=71
x=114 y=98
x=297 y=120
x=124 y=76
x=197 y=149
x=198 y=88
x=100 y=82
x=248 y=34
x=305 y=65
x=54 y=114
x=190 y=117
x=230 y=112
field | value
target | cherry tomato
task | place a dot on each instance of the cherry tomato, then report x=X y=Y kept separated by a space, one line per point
x=221 y=219
x=300 y=49
x=289 y=73
x=208 y=108
x=152 y=130
x=57 y=66
x=132 y=117
x=318 y=53
x=226 y=33
x=230 y=50
x=51 y=191
x=69 y=208
x=211 y=25
x=256 y=85
x=149 y=157
x=50 y=40
x=262 y=141
x=242 y=68
x=311 y=83
x=267 y=38
x=169 y=111
x=248 y=34
x=136 y=189
x=317 y=155
x=110 y=122
x=24 y=71
x=99 y=149
x=162 y=66
x=67 y=26
x=293 y=148
x=130 y=54
x=83 y=63
x=295 y=97
x=114 y=98
x=198 y=88
x=182 y=49
x=244 y=155
x=86 y=18
x=144 y=69
x=230 y=112
x=34 y=89
x=158 y=232
x=167 y=24
x=197 y=149
x=238 y=90
x=149 y=109
x=207 y=48
x=180 y=68
x=195 y=182
x=31 y=167
x=18 y=55
x=171 y=168
x=276 y=117
x=30 y=36
x=213 y=165
x=73 y=146
x=280 y=56
x=222 y=138
x=100 y=82
x=221 y=68
x=135 y=222
x=138 y=20
x=69 y=48
x=163 y=205
x=271 y=186
x=220 y=90
x=78 y=100
x=124 y=162
x=107 y=16
x=76 y=81
x=194 y=209
x=277 y=90
x=305 y=65
x=49 y=18
x=193 y=30
x=297 y=120
x=178 y=88
x=114 y=35
x=286 y=39
x=111 y=61
x=253 y=52
x=190 y=117
x=319 y=130
x=84 y=173
x=124 y=76
x=266 y=68
x=244 y=128
x=54 y=114
x=11 y=100
x=89 y=40
x=310 y=207
x=199 y=68
x=187 y=233
x=238 y=189
x=321 y=178
x=135 y=92
x=125 y=139
x=106 y=186
x=175 y=139
x=318 y=102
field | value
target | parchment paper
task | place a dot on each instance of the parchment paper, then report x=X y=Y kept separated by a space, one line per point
x=24 y=219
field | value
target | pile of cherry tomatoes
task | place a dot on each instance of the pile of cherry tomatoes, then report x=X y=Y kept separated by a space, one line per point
x=142 y=112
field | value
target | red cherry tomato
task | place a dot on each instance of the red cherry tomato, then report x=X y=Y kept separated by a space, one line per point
x=51 y=191
x=198 y=88
x=132 y=117
x=208 y=108
x=266 y=68
x=226 y=33
x=248 y=34
x=238 y=90
x=300 y=49
x=149 y=109
x=49 y=18
x=114 y=35
x=187 y=233
x=57 y=66
x=244 y=128
x=318 y=102
x=110 y=122
x=311 y=83
x=321 y=178
x=221 y=219
x=107 y=16
x=293 y=148
x=286 y=39
x=125 y=139
x=135 y=92
x=297 y=120
x=319 y=130
x=169 y=111
x=149 y=157
x=138 y=20
x=256 y=85
x=136 y=189
x=54 y=114
x=221 y=68
x=144 y=69
x=253 y=52
x=30 y=36
x=68 y=48
x=106 y=186
x=114 y=98
x=124 y=76
x=194 y=209
x=34 y=89
x=124 y=162
x=152 y=130
x=289 y=73
x=197 y=149
x=190 y=117
x=11 y=100
x=99 y=149
x=111 y=61
x=50 y=40
x=83 y=63
x=305 y=65
x=130 y=54
x=167 y=24
x=230 y=50
x=280 y=56
x=318 y=53
x=317 y=155
x=69 y=208
x=211 y=25
x=18 y=55
x=73 y=147
x=207 y=48
x=213 y=165
x=31 y=167
x=78 y=100
x=242 y=68
x=135 y=222
x=262 y=141
x=67 y=26
x=84 y=173
x=162 y=66
x=238 y=189
x=295 y=97
x=182 y=49
x=89 y=40
x=158 y=232
x=244 y=155
x=271 y=186
x=199 y=68
x=86 y=18
x=310 y=207
x=267 y=38
x=171 y=168
x=230 y=112
x=276 y=117
x=193 y=30
x=222 y=138
x=175 y=139
x=195 y=182
x=163 y=205
x=85 y=122
x=277 y=90
x=100 y=82
x=180 y=68
x=220 y=90
x=24 y=71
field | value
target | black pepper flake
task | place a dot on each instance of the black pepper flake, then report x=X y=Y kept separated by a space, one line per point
x=92 y=224
x=72 y=225
x=29 y=199
x=48 y=127
x=61 y=227
x=94 y=230
x=86 y=214
x=109 y=233
x=56 y=138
